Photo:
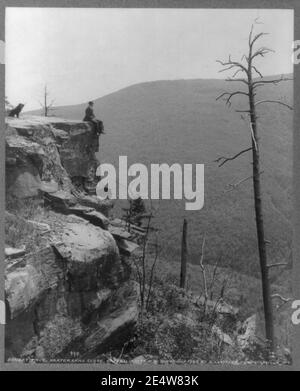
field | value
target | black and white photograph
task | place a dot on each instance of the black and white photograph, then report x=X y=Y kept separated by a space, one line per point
x=149 y=186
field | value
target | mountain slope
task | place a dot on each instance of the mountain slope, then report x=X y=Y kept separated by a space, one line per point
x=181 y=122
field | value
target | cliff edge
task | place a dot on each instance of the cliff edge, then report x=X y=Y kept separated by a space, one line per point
x=67 y=282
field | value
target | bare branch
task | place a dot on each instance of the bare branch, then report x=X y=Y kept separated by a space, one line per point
x=274 y=101
x=251 y=128
x=244 y=57
x=277 y=264
x=250 y=35
x=138 y=274
x=272 y=81
x=232 y=64
x=203 y=274
x=214 y=276
x=261 y=52
x=230 y=95
x=253 y=137
x=257 y=36
x=152 y=273
x=222 y=160
x=226 y=69
x=239 y=80
x=257 y=71
x=237 y=71
x=233 y=186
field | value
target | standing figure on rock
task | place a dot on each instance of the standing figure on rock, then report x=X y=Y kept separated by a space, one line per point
x=90 y=117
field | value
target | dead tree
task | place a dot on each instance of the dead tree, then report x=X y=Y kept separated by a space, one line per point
x=183 y=255
x=203 y=272
x=149 y=249
x=46 y=105
x=247 y=68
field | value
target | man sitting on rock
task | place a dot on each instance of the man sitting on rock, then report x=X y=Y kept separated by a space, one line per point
x=90 y=117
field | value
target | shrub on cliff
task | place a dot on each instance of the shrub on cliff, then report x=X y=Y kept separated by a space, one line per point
x=173 y=329
x=18 y=230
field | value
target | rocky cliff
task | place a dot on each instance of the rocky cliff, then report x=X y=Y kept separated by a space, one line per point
x=67 y=282
x=70 y=290
x=49 y=153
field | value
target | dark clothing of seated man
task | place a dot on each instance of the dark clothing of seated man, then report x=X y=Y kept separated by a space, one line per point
x=90 y=117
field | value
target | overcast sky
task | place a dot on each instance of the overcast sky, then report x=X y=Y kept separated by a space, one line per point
x=85 y=53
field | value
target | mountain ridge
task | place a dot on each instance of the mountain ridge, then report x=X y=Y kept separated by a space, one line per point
x=145 y=83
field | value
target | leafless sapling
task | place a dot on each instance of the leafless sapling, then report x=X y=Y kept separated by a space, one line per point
x=183 y=255
x=46 y=105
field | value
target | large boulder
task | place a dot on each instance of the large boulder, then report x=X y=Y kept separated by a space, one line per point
x=49 y=149
x=23 y=160
x=63 y=295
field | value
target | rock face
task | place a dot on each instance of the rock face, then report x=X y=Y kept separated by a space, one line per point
x=74 y=295
x=45 y=151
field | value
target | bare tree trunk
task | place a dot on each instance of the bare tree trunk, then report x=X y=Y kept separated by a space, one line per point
x=202 y=268
x=46 y=105
x=183 y=255
x=247 y=68
x=266 y=286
